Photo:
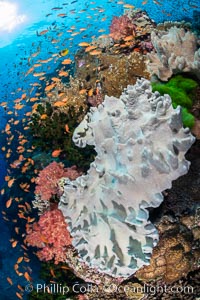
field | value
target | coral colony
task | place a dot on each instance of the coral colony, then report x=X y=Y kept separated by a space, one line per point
x=176 y=51
x=140 y=145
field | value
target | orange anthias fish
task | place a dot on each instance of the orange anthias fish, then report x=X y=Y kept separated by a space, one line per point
x=20 y=259
x=43 y=32
x=66 y=61
x=59 y=104
x=67 y=128
x=9 y=280
x=19 y=295
x=10 y=182
x=56 y=153
x=27 y=276
x=9 y=202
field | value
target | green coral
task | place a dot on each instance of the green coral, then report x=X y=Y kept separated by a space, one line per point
x=181 y=90
x=50 y=134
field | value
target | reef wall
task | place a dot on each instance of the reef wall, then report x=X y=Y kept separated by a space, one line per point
x=140 y=145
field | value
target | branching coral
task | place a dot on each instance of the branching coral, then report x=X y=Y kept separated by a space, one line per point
x=49 y=233
x=140 y=145
x=47 y=180
x=175 y=52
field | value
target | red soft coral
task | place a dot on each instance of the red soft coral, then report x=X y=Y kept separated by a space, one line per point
x=121 y=27
x=47 y=180
x=49 y=233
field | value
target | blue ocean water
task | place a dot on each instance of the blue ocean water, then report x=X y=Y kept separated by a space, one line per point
x=20 y=38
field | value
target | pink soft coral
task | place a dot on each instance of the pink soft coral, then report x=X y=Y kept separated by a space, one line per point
x=47 y=181
x=49 y=233
x=121 y=27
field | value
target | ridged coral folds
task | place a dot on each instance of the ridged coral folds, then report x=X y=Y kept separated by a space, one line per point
x=140 y=145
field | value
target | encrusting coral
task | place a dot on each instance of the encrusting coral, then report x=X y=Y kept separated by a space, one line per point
x=51 y=235
x=118 y=71
x=175 y=255
x=176 y=51
x=140 y=142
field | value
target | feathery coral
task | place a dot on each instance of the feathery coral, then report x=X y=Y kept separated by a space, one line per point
x=47 y=181
x=121 y=27
x=49 y=233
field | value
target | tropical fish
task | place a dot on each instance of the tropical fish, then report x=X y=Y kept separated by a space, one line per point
x=20 y=259
x=67 y=128
x=63 y=73
x=19 y=295
x=84 y=44
x=9 y=202
x=20 y=288
x=14 y=244
x=59 y=104
x=43 y=116
x=43 y=32
x=9 y=280
x=66 y=61
x=10 y=182
x=128 y=6
x=52 y=272
x=56 y=153
x=95 y=52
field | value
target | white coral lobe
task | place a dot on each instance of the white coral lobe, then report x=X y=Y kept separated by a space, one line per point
x=140 y=145
x=176 y=51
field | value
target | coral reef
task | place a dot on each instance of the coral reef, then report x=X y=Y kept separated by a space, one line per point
x=49 y=233
x=175 y=255
x=181 y=90
x=132 y=31
x=111 y=72
x=139 y=142
x=195 y=110
x=168 y=24
x=141 y=20
x=120 y=71
x=47 y=180
x=121 y=27
x=176 y=51
x=50 y=133
x=63 y=97
x=187 y=288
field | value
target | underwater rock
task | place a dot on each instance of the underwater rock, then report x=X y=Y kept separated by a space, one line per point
x=175 y=52
x=140 y=145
